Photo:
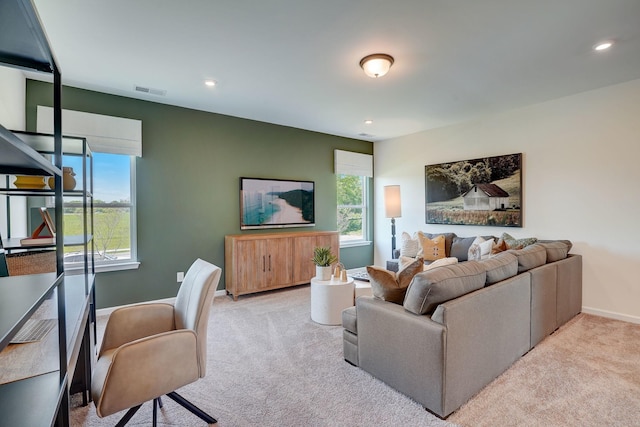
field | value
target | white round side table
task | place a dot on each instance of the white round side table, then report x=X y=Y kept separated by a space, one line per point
x=329 y=298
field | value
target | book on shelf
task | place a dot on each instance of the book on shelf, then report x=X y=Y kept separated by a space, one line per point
x=39 y=240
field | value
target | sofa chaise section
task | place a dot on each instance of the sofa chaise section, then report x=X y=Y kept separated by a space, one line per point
x=442 y=363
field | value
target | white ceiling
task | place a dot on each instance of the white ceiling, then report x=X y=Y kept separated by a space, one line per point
x=295 y=62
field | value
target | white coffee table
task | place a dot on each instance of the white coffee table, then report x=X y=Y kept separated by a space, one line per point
x=329 y=298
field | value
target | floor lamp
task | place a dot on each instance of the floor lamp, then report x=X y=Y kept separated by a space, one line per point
x=393 y=210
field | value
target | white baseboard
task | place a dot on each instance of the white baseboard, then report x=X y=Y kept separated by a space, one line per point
x=611 y=315
x=107 y=311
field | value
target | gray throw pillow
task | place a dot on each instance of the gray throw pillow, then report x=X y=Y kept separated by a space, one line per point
x=460 y=247
x=433 y=287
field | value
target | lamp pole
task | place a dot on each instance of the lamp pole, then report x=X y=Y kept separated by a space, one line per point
x=393 y=210
x=393 y=237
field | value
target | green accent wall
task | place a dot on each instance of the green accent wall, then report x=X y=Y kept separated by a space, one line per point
x=188 y=183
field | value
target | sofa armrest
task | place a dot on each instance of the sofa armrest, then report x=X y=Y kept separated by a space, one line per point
x=121 y=376
x=404 y=350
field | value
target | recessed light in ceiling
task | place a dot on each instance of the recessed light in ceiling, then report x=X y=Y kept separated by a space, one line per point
x=603 y=45
x=368 y=122
x=210 y=83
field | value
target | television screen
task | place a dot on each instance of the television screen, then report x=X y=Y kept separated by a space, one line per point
x=276 y=203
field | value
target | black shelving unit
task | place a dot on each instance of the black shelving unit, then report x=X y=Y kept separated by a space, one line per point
x=41 y=398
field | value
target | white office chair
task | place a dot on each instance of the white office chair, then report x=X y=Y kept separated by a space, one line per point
x=153 y=349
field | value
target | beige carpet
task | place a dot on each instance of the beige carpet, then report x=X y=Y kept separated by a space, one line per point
x=586 y=374
x=270 y=365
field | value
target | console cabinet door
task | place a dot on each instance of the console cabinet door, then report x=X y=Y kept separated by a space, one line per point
x=277 y=263
x=248 y=266
x=303 y=268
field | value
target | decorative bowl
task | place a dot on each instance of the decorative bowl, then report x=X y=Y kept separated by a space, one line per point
x=29 y=182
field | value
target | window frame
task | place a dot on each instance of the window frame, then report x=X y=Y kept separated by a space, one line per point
x=366 y=209
x=132 y=262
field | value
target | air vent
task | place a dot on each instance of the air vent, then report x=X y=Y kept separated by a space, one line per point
x=365 y=135
x=150 y=91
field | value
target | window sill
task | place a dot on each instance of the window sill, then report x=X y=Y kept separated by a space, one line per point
x=355 y=244
x=131 y=265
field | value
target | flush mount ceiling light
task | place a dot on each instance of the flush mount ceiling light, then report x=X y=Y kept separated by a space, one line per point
x=210 y=83
x=368 y=122
x=376 y=65
x=603 y=45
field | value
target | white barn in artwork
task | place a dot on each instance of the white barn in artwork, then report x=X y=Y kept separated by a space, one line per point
x=485 y=197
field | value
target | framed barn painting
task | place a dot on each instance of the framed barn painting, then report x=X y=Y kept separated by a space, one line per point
x=486 y=191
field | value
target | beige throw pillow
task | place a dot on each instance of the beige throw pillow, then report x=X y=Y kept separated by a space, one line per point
x=389 y=286
x=410 y=246
x=432 y=249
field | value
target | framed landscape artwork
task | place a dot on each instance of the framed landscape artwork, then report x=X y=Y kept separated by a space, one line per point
x=276 y=203
x=485 y=191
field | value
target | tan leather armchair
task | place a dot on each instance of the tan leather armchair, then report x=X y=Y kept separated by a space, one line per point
x=153 y=349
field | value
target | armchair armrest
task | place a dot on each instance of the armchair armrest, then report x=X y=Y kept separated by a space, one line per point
x=144 y=369
x=131 y=323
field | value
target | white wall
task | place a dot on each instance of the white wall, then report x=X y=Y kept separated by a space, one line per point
x=12 y=98
x=581 y=177
x=13 y=116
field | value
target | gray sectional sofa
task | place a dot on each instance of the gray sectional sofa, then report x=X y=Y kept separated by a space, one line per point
x=463 y=325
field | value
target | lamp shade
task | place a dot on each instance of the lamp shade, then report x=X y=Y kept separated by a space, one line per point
x=376 y=65
x=392 y=202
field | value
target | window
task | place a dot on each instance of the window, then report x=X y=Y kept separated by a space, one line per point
x=353 y=176
x=115 y=143
x=114 y=212
x=352 y=208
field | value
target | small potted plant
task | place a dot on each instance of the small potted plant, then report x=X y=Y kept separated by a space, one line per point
x=323 y=258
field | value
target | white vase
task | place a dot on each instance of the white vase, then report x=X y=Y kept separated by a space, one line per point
x=323 y=273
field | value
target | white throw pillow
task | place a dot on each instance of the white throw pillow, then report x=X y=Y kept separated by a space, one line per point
x=410 y=245
x=485 y=249
x=474 y=250
x=440 y=262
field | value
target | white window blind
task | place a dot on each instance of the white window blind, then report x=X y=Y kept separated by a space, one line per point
x=350 y=163
x=105 y=134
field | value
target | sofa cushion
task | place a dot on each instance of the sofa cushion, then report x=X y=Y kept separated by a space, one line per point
x=349 y=320
x=410 y=245
x=530 y=257
x=432 y=287
x=389 y=286
x=432 y=248
x=555 y=250
x=566 y=242
x=500 y=267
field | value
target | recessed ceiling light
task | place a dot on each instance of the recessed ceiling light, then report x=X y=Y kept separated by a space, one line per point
x=368 y=122
x=210 y=83
x=603 y=45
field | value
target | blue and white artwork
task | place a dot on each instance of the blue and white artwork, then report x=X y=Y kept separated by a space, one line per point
x=276 y=203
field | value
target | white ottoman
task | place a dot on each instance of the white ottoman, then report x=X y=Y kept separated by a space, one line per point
x=329 y=298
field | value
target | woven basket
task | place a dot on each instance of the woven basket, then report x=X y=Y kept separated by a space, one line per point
x=32 y=262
